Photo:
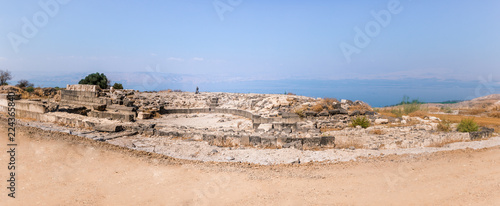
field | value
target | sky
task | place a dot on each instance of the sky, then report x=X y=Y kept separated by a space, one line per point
x=372 y=50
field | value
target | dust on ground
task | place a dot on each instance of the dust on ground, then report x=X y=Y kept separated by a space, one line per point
x=61 y=169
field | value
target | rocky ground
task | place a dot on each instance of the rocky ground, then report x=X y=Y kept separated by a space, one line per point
x=195 y=149
x=182 y=135
x=60 y=169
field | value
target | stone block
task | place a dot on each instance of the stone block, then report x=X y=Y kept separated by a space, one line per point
x=327 y=141
x=245 y=140
x=381 y=121
x=149 y=132
x=483 y=133
x=254 y=140
x=99 y=107
x=108 y=128
x=268 y=142
x=278 y=126
x=281 y=141
x=295 y=143
x=144 y=115
x=310 y=113
x=265 y=127
x=168 y=133
x=311 y=143
x=338 y=111
x=287 y=130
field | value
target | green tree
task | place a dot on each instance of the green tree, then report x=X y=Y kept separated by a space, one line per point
x=117 y=86
x=96 y=79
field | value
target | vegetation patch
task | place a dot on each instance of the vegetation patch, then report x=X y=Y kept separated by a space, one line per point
x=362 y=121
x=444 y=126
x=467 y=125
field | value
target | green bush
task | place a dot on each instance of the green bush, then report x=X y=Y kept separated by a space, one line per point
x=467 y=125
x=361 y=121
x=30 y=89
x=117 y=86
x=96 y=79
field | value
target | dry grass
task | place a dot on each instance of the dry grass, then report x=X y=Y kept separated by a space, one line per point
x=444 y=126
x=361 y=107
x=490 y=122
x=420 y=113
x=473 y=111
x=300 y=110
x=317 y=108
x=377 y=132
x=348 y=144
x=433 y=109
x=494 y=114
x=387 y=113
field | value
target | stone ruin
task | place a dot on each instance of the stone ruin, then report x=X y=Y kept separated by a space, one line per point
x=129 y=112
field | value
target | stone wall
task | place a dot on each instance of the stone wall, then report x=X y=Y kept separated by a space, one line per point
x=234 y=140
x=83 y=88
x=24 y=108
x=256 y=119
x=81 y=97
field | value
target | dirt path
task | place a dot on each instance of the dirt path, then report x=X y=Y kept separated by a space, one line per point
x=58 y=169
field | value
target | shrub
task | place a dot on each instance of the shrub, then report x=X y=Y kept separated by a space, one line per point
x=117 y=86
x=96 y=79
x=467 y=125
x=30 y=89
x=361 y=121
x=24 y=83
x=444 y=126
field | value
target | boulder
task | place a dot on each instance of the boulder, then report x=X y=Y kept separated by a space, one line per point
x=99 y=107
x=337 y=111
x=369 y=113
x=310 y=113
x=323 y=113
x=355 y=113
x=381 y=121
x=483 y=133
x=265 y=127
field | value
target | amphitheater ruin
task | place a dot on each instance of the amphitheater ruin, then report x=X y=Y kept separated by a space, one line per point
x=142 y=120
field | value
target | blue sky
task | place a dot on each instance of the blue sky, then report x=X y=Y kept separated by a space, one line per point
x=152 y=45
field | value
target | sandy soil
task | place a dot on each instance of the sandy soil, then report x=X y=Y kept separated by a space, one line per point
x=60 y=169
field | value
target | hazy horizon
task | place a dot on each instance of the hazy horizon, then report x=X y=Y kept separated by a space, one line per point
x=375 y=51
